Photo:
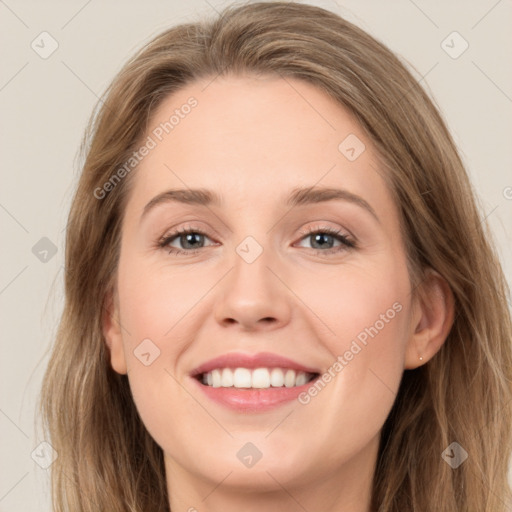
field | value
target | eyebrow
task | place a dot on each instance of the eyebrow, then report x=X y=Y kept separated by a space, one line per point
x=297 y=197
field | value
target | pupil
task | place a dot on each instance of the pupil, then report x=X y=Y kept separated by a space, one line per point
x=189 y=238
x=321 y=236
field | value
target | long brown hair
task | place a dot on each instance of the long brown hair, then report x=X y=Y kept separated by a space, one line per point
x=106 y=458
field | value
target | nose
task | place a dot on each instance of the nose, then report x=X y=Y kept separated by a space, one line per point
x=253 y=297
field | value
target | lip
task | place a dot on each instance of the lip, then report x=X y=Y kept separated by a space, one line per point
x=251 y=400
x=251 y=361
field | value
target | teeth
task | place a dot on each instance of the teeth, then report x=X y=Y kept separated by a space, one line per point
x=226 y=380
x=301 y=379
x=259 y=378
x=289 y=378
x=241 y=378
x=276 y=378
x=216 y=379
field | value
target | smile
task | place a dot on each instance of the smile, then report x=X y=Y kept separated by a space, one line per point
x=253 y=382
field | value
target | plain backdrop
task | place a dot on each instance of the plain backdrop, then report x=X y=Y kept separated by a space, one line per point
x=45 y=103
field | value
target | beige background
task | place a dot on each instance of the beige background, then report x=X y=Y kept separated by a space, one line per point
x=45 y=104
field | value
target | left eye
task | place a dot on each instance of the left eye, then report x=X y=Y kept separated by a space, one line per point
x=325 y=239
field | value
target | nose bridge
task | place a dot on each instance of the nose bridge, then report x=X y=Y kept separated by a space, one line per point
x=251 y=267
x=251 y=294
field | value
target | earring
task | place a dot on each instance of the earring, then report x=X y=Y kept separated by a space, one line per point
x=421 y=358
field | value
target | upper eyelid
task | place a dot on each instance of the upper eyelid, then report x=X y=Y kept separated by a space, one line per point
x=306 y=231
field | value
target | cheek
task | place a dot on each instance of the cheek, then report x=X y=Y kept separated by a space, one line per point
x=160 y=310
x=367 y=304
x=367 y=311
x=366 y=314
x=151 y=306
x=156 y=302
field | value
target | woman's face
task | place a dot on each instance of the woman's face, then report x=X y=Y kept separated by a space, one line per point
x=280 y=281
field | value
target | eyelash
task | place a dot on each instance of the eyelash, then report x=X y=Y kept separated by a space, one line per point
x=164 y=242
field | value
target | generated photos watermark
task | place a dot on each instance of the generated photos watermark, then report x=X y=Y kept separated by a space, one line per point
x=356 y=346
x=151 y=142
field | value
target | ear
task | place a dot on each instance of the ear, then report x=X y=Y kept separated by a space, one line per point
x=112 y=333
x=432 y=319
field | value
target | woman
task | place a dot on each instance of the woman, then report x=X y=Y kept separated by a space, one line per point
x=280 y=294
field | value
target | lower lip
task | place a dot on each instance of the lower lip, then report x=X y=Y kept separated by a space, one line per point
x=252 y=400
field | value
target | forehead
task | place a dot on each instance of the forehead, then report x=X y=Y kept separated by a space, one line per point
x=255 y=138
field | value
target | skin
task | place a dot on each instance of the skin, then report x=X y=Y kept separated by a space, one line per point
x=252 y=140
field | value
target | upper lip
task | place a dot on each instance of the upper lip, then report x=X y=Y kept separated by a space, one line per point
x=260 y=360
